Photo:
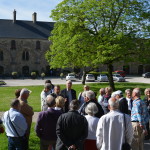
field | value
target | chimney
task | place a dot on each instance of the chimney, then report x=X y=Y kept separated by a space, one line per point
x=34 y=17
x=14 y=16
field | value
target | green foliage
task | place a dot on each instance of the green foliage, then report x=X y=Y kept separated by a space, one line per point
x=88 y=33
x=43 y=74
x=14 y=73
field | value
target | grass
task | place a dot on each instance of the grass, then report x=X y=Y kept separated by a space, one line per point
x=7 y=93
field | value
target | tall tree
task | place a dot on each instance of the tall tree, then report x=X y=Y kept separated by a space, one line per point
x=88 y=33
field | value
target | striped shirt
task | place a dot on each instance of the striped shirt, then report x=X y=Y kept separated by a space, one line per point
x=139 y=112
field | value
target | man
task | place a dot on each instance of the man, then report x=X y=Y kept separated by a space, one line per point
x=69 y=94
x=46 y=124
x=129 y=100
x=90 y=97
x=111 y=128
x=81 y=96
x=26 y=110
x=138 y=119
x=47 y=91
x=52 y=85
x=16 y=126
x=72 y=129
x=56 y=91
x=123 y=105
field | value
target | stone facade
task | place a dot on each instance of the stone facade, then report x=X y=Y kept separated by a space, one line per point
x=24 y=56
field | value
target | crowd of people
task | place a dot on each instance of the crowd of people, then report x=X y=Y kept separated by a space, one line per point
x=110 y=122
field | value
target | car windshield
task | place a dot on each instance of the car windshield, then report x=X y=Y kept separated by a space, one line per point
x=90 y=75
x=103 y=75
x=117 y=75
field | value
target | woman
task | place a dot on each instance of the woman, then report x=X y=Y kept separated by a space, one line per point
x=90 y=142
x=60 y=103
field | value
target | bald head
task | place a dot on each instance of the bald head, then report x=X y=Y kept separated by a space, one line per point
x=113 y=103
x=50 y=100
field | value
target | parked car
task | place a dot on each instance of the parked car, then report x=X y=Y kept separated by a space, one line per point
x=2 y=82
x=146 y=75
x=118 y=78
x=71 y=77
x=122 y=73
x=102 y=78
x=90 y=77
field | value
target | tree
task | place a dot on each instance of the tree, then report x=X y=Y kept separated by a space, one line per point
x=88 y=33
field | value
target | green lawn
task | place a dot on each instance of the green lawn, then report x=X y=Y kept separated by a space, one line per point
x=7 y=93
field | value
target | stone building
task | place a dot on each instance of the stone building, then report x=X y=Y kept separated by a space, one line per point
x=23 y=45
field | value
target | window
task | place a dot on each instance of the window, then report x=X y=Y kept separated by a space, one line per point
x=13 y=44
x=1 y=55
x=25 y=55
x=38 y=45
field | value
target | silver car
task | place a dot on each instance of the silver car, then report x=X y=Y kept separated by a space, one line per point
x=102 y=78
x=71 y=77
x=90 y=77
x=118 y=78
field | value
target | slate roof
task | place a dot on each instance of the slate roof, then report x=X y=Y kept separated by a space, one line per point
x=25 y=29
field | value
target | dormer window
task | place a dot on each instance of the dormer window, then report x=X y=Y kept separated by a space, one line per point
x=13 y=44
x=38 y=45
x=25 y=55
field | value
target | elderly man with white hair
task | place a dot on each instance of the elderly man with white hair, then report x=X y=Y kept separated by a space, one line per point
x=25 y=109
x=90 y=97
x=113 y=128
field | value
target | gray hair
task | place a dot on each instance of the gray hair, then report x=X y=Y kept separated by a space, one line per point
x=91 y=109
x=113 y=94
x=113 y=103
x=74 y=105
x=127 y=90
x=137 y=91
x=24 y=90
x=90 y=94
x=50 y=101
x=47 y=86
x=69 y=81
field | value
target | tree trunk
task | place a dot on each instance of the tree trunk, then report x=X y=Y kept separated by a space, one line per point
x=83 y=77
x=111 y=82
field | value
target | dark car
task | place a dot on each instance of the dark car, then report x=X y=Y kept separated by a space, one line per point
x=2 y=82
x=146 y=75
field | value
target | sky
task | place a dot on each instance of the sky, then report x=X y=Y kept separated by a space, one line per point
x=25 y=9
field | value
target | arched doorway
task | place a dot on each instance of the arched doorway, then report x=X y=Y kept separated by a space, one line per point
x=1 y=70
x=140 y=69
x=25 y=71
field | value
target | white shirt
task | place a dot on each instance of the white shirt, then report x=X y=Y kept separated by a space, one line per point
x=129 y=102
x=110 y=131
x=92 y=126
x=43 y=100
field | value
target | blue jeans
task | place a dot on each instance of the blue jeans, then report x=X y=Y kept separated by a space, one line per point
x=17 y=143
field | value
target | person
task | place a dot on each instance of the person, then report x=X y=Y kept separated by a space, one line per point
x=90 y=142
x=147 y=101
x=56 y=91
x=52 y=85
x=123 y=105
x=111 y=133
x=60 y=103
x=26 y=110
x=47 y=91
x=129 y=100
x=17 y=93
x=138 y=119
x=81 y=96
x=90 y=97
x=46 y=124
x=101 y=94
x=71 y=129
x=104 y=101
x=16 y=126
x=69 y=94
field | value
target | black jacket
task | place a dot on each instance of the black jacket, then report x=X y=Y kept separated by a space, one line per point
x=64 y=94
x=71 y=129
x=123 y=105
x=100 y=109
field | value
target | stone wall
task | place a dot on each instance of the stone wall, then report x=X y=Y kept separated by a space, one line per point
x=12 y=58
